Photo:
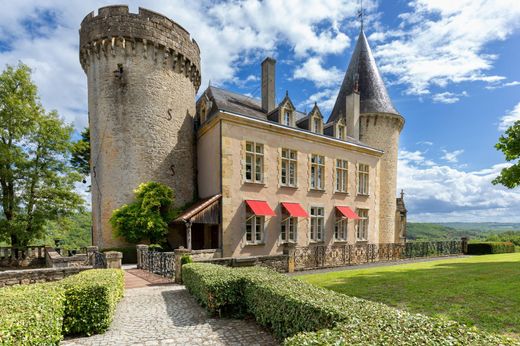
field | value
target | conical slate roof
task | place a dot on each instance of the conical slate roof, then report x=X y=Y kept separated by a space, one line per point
x=373 y=95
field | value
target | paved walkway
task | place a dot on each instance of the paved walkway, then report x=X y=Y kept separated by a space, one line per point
x=157 y=313
x=376 y=264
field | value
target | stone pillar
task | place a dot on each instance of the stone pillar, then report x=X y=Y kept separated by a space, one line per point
x=188 y=234
x=90 y=254
x=113 y=259
x=290 y=250
x=464 y=244
x=178 y=270
x=141 y=250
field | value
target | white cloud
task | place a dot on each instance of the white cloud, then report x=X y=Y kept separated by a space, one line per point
x=441 y=193
x=452 y=156
x=448 y=97
x=503 y=85
x=442 y=42
x=313 y=70
x=325 y=99
x=510 y=118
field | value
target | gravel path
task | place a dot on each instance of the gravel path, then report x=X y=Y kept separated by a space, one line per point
x=168 y=315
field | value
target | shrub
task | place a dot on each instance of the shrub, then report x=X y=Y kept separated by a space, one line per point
x=289 y=306
x=91 y=298
x=484 y=248
x=186 y=259
x=31 y=314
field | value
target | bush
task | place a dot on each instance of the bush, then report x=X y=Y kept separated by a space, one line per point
x=31 y=314
x=186 y=259
x=289 y=306
x=129 y=254
x=91 y=298
x=484 y=248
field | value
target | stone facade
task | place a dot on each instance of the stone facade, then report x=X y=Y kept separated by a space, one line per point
x=143 y=72
x=30 y=276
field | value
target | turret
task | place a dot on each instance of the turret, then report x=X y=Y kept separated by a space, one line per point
x=143 y=73
x=379 y=126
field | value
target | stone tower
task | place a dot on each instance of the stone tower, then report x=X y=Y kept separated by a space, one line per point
x=143 y=74
x=379 y=126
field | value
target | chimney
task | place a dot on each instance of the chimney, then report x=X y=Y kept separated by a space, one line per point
x=352 y=115
x=268 y=89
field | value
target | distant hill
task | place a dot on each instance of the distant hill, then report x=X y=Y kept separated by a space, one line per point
x=456 y=230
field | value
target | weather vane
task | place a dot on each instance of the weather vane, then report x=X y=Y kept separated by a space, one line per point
x=361 y=13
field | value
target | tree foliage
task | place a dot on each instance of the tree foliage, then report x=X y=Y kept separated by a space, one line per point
x=36 y=180
x=81 y=153
x=147 y=217
x=509 y=144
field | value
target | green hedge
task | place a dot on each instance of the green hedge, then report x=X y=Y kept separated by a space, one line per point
x=31 y=314
x=484 y=248
x=91 y=298
x=290 y=306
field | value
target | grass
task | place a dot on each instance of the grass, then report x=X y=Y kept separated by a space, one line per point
x=480 y=290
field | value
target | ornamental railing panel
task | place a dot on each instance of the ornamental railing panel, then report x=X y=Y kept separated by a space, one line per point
x=160 y=263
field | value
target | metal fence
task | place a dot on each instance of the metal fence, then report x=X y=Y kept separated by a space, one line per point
x=160 y=263
x=322 y=256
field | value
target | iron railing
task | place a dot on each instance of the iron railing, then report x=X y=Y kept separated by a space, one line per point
x=160 y=263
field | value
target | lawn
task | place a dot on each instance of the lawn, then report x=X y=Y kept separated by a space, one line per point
x=480 y=290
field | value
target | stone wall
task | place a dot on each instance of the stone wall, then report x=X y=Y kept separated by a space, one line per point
x=31 y=256
x=54 y=260
x=30 y=276
x=143 y=75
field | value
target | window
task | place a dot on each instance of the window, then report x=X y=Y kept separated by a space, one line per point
x=341 y=132
x=203 y=113
x=341 y=175
x=316 y=125
x=286 y=118
x=289 y=167
x=254 y=162
x=317 y=223
x=288 y=230
x=340 y=228
x=362 y=229
x=254 y=229
x=363 y=179
x=317 y=172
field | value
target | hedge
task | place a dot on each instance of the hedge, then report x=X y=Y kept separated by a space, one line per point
x=91 y=298
x=484 y=248
x=31 y=314
x=290 y=306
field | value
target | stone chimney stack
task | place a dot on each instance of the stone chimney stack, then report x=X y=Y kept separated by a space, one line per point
x=268 y=88
x=352 y=114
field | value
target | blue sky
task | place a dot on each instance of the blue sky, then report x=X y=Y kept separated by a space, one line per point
x=451 y=68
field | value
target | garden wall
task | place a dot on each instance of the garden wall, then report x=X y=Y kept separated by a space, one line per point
x=30 y=276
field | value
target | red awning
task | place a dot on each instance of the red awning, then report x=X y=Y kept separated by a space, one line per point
x=348 y=213
x=295 y=209
x=260 y=208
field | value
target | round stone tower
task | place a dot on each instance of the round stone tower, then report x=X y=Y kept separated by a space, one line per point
x=143 y=73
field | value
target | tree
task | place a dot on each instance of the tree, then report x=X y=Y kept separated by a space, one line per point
x=147 y=217
x=36 y=180
x=509 y=144
x=81 y=153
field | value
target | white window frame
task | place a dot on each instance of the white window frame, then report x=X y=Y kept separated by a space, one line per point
x=341 y=228
x=317 y=226
x=286 y=117
x=289 y=164
x=254 y=162
x=317 y=176
x=316 y=124
x=363 y=187
x=254 y=233
x=341 y=132
x=362 y=225
x=289 y=229
x=341 y=183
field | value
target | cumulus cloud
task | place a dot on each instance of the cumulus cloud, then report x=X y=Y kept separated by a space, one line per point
x=502 y=85
x=448 y=97
x=442 y=42
x=313 y=70
x=510 y=118
x=452 y=156
x=442 y=193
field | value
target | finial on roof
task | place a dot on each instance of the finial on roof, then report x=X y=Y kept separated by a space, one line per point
x=361 y=13
x=286 y=93
x=315 y=104
x=402 y=193
x=209 y=83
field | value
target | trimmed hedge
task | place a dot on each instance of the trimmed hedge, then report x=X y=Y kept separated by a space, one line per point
x=31 y=314
x=91 y=298
x=484 y=248
x=290 y=306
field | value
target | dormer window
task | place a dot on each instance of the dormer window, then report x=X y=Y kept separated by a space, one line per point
x=316 y=125
x=203 y=113
x=342 y=132
x=286 y=119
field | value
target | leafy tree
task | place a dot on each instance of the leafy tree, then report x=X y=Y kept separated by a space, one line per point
x=36 y=180
x=73 y=231
x=509 y=144
x=147 y=217
x=81 y=153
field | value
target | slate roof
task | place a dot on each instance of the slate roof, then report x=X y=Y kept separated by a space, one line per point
x=373 y=95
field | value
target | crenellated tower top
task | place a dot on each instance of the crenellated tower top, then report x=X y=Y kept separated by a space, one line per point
x=114 y=30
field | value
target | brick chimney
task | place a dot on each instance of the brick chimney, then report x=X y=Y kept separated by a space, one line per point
x=352 y=114
x=268 y=88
